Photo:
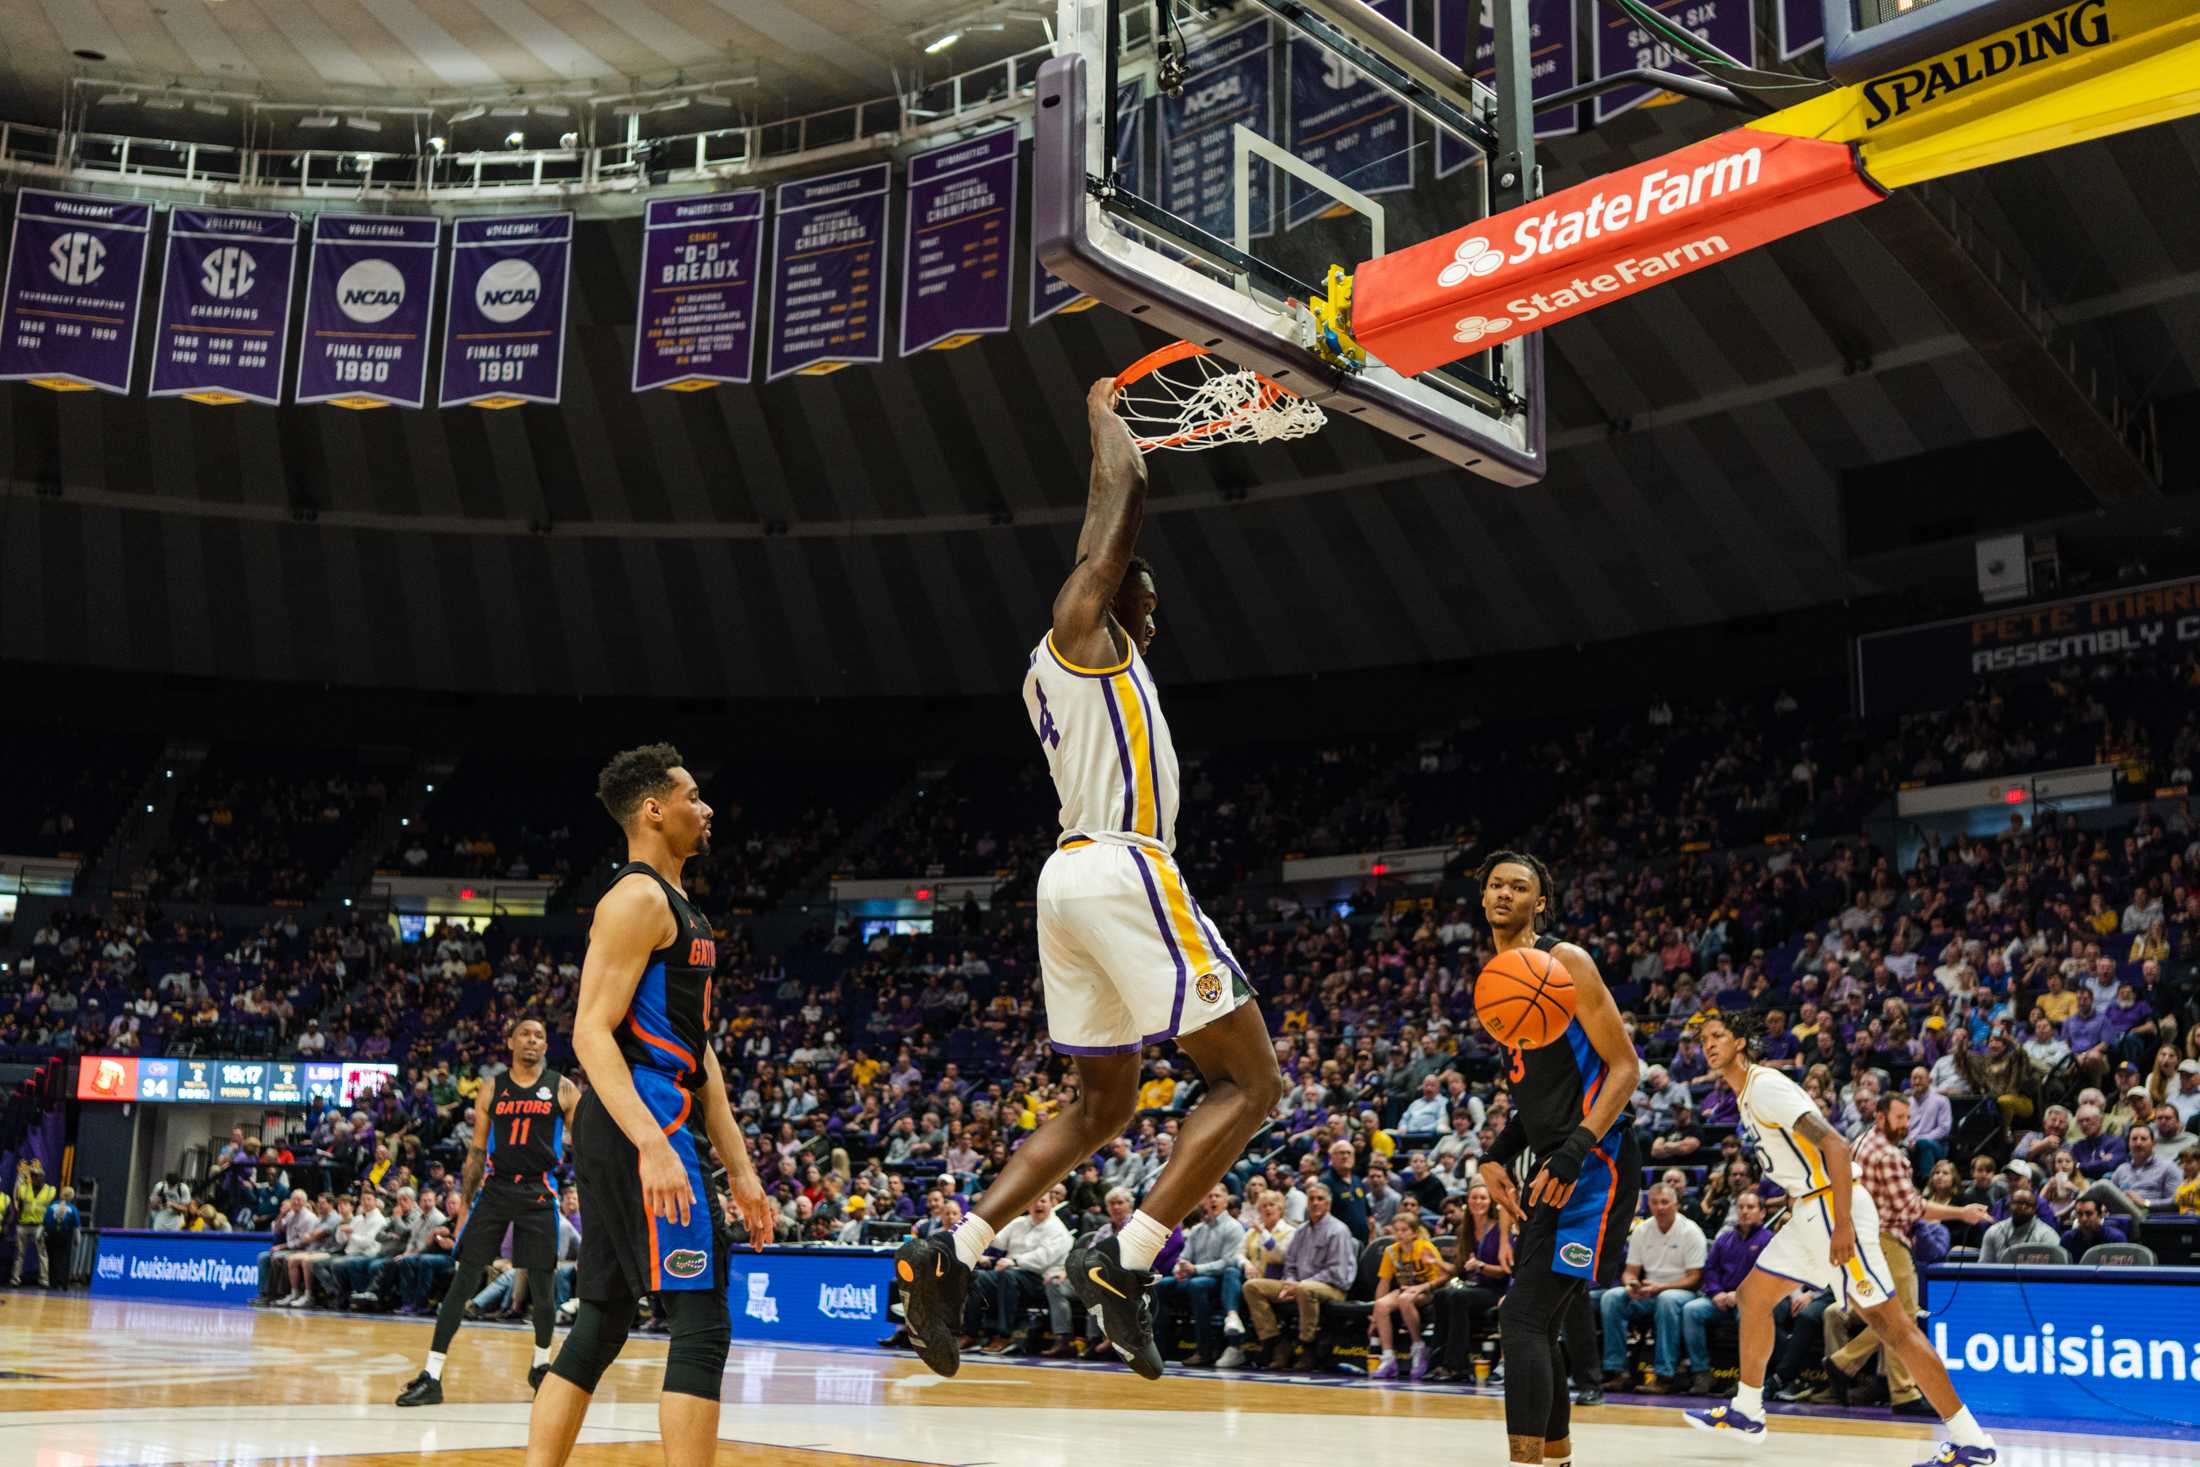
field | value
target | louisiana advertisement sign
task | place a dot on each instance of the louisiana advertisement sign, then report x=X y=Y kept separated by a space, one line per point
x=810 y=1298
x=1917 y=666
x=2116 y=1347
x=180 y=1268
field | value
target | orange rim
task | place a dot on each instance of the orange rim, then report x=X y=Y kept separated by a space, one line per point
x=1266 y=396
x=1155 y=360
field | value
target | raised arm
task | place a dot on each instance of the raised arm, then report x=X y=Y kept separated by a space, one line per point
x=632 y=921
x=1115 y=509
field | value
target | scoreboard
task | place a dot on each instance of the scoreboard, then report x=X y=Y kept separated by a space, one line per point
x=229 y=1081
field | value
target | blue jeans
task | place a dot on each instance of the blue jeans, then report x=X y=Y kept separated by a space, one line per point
x=1696 y=1317
x=1207 y=1298
x=1617 y=1309
x=418 y=1275
x=497 y=1293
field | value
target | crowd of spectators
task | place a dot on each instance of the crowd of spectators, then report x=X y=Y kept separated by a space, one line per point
x=262 y=825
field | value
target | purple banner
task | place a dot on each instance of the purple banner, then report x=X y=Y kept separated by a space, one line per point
x=698 y=315
x=76 y=274
x=955 y=282
x=1232 y=81
x=1345 y=125
x=504 y=325
x=1802 y=26
x=1551 y=66
x=1623 y=45
x=370 y=307
x=223 y=333
x=1048 y=294
x=828 y=267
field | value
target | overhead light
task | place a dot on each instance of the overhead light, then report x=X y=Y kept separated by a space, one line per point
x=628 y=109
x=164 y=103
x=211 y=109
x=439 y=144
x=942 y=42
x=363 y=124
x=552 y=109
x=569 y=140
x=515 y=139
x=712 y=99
x=515 y=111
x=112 y=98
x=317 y=120
x=469 y=114
x=671 y=104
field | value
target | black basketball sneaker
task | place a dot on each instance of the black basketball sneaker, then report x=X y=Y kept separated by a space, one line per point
x=535 y=1375
x=1118 y=1295
x=422 y=1390
x=935 y=1283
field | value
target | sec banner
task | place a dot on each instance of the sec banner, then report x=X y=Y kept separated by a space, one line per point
x=1623 y=45
x=76 y=272
x=697 y=323
x=955 y=284
x=370 y=306
x=223 y=332
x=828 y=270
x=1345 y=125
x=504 y=328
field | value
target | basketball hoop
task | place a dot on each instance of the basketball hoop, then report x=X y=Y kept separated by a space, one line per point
x=1184 y=397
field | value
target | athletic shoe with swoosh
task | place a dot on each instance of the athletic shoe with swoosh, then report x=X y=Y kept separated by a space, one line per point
x=1118 y=1294
x=934 y=1285
x=1728 y=1419
x=1951 y=1455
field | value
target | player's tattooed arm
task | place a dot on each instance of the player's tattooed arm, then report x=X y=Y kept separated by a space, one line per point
x=1115 y=511
x=477 y=1153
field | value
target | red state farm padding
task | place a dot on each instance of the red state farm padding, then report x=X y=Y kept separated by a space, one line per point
x=1598 y=242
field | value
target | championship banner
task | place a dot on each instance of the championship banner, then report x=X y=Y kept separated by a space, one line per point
x=370 y=304
x=1345 y=125
x=698 y=317
x=1048 y=293
x=955 y=280
x=1802 y=26
x=1551 y=66
x=1917 y=667
x=1623 y=45
x=828 y=267
x=76 y=271
x=504 y=329
x=223 y=332
x=1597 y=242
x=1230 y=83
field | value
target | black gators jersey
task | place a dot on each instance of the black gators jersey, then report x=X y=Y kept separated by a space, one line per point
x=526 y=1128
x=1554 y=1087
x=668 y=1019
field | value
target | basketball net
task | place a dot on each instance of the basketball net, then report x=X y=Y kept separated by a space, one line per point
x=1184 y=397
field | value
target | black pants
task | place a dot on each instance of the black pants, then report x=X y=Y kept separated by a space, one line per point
x=1463 y=1318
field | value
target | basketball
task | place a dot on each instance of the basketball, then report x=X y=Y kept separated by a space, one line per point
x=1525 y=997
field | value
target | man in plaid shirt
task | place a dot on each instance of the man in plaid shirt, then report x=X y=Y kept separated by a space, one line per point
x=1884 y=1169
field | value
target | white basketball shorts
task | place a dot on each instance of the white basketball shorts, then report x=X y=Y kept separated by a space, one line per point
x=1126 y=956
x=1803 y=1251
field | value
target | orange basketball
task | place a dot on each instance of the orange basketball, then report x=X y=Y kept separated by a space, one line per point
x=1525 y=997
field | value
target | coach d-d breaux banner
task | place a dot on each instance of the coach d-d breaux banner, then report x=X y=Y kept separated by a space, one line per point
x=504 y=328
x=223 y=331
x=697 y=323
x=76 y=273
x=956 y=284
x=370 y=307
x=1920 y=667
x=829 y=273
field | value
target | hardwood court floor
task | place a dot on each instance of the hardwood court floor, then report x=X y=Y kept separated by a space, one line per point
x=85 y=1384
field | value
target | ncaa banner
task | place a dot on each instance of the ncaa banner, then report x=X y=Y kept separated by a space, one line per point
x=370 y=306
x=1552 y=66
x=1622 y=45
x=1345 y=125
x=828 y=267
x=1232 y=82
x=1049 y=293
x=181 y=1268
x=223 y=332
x=504 y=328
x=697 y=324
x=76 y=271
x=955 y=280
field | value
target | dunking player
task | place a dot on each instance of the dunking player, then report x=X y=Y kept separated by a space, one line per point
x=519 y=1135
x=642 y=1033
x=1831 y=1241
x=1571 y=1136
x=1126 y=957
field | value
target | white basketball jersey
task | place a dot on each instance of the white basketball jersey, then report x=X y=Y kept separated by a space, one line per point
x=1107 y=746
x=1770 y=1105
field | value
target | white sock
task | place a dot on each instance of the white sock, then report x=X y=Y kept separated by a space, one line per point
x=435 y=1364
x=1142 y=1237
x=1750 y=1401
x=542 y=1354
x=973 y=1235
x=1964 y=1430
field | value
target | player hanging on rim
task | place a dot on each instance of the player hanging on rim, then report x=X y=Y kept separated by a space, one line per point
x=1571 y=1136
x=642 y=1034
x=1831 y=1241
x=1126 y=957
x=519 y=1135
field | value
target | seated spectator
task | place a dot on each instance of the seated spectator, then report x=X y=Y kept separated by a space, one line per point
x=2096 y=1151
x=2188 y=1183
x=1428 y=1115
x=2185 y=1099
x=2144 y=1184
x=1209 y=1280
x=2088 y=1229
x=1466 y=1307
x=1119 y=1205
x=1005 y=1284
x=1932 y=1120
x=420 y=1274
x=2023 y=1225
x=1411 y=1270
x=1267 y=1241
x=339 y=1280
x=1665 y=1261
x=1320 y=1263
x=1731 y=1257
x=335 y=1237
x=297 y=1225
